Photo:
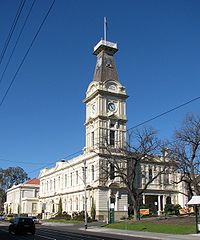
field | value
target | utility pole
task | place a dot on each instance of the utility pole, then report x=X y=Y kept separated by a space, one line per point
x=85 y=189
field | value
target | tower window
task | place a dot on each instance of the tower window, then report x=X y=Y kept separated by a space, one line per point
x=112 y=171
x=112 y=137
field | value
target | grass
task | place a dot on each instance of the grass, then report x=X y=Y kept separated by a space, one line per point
x=155 y=227
x=63 y=221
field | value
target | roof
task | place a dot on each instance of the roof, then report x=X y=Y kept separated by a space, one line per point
x=194 y=201
x=33 y=181
x=105 y=67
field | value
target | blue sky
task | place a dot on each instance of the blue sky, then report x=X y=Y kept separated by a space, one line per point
x=42 y=117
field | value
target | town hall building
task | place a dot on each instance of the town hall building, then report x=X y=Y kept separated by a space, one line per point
x=79 y=182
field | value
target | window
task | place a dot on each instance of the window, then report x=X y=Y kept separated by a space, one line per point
x=24 y=210
x=47 y=186
x=65 y=180
x=92 y=168
x=70 y=204
x=50 y=185
x=58 y=182
x=34 y=207
x=54 y=184
x=150 y=174
x=36 y=193
x=112 y=137
x=166 y=177
x=112 y=171
x=76 y=204
x=71 y=179
x=76 y=177
x=92 y=139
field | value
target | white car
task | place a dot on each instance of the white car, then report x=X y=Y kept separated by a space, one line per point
x=35 y=220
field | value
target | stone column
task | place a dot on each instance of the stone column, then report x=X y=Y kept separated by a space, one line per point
x=159 y=205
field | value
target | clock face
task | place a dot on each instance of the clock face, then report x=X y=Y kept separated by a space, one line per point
x=111 y=106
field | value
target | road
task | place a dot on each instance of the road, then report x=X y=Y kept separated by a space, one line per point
x=60 y=233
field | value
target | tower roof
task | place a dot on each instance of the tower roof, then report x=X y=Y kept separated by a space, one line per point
x=105 y=67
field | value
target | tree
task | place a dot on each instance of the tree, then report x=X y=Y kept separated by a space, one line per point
x=186 y=150
x=127 y=163
x=9 y=177
x=60 y=207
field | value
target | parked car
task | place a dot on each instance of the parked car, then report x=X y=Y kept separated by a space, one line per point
x=22 y=225
x=9 y=217
x=35 y=219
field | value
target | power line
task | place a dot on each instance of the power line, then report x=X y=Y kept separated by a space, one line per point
x=18 y=162
x=47 y=165
x=21 y=31
x=12 y=29
x=164 y=113
x=140 y=124
x=22 y=62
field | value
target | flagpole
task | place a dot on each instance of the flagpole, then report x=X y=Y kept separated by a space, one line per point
x=105 y=29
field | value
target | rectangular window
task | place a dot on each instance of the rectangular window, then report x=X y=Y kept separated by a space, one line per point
x=71 y=179
x=112 y=137
x=65 y=180
x=150 y=174
x=36 y=193
x=34 y=207
x=92 y=172
x=166 y=177
x=76 y=177
x=112 y=171
x=54 y=184
x=92 y=138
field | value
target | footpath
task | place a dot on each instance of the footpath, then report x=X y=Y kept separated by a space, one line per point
x=152 y=235
x=139 y=234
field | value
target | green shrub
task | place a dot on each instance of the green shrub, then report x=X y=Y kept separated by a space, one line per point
x=172 y=209
x=93 y=210
x=60 y=207
x=64 y=216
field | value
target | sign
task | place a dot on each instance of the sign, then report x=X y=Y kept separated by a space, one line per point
x=144 y=211
x=183 y=211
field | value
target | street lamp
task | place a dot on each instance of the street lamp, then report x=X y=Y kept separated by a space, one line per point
x=85 y=190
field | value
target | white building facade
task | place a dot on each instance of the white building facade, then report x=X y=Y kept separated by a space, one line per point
x=23 y=198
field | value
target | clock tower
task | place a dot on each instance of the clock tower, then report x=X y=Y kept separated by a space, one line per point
x=105 y=102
